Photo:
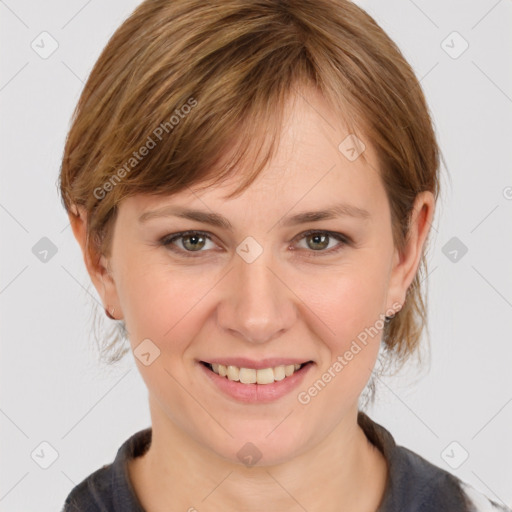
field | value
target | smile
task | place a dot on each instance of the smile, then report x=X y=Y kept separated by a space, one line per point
x=252 y=375
x=255 y=380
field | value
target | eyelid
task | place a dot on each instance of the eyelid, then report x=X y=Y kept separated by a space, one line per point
x=167 y=241
x=343 y=240
x=333 y=234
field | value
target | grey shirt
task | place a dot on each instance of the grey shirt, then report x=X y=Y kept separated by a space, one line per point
x=413 y=485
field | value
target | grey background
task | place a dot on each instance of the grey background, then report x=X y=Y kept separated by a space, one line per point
x=54 y=390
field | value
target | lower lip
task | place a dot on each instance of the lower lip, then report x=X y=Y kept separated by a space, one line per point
x=257 y=393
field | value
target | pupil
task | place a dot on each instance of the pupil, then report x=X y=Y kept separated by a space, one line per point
x=194 y=239
x=316 y=237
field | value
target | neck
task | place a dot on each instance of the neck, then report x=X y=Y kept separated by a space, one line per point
x=343 y=472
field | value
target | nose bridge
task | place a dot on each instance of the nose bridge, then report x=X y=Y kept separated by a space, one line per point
x=257 y=305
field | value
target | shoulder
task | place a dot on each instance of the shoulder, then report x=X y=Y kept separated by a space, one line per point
x=481 y=503
x=432 y=488
x=109 y=488
x=423 y=486
x=92 y=494
x=416 y=485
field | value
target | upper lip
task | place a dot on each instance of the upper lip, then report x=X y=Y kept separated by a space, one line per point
x=243 y=362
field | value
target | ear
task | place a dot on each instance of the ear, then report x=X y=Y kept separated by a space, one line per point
x=98 y=266
x=406 y=262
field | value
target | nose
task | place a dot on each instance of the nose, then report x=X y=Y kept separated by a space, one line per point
x=257 y=303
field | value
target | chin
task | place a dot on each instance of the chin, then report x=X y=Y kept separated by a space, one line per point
x=266 y=444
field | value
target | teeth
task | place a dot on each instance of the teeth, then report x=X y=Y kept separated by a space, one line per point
x=279 y=373
x=248 y=375
x=252 y=376
x=233 y=373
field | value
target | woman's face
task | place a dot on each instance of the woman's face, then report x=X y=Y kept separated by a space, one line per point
x=263 y=289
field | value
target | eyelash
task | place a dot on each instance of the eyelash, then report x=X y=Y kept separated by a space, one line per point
x=167 y=241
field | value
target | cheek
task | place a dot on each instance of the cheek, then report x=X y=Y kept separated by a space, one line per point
x=163 y=304
x=352 y=310
x=348 y=301
x=349 y=307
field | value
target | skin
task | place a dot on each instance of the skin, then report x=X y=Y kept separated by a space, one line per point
x=302 y=303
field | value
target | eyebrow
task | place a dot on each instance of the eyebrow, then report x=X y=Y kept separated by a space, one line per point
x=217 y=220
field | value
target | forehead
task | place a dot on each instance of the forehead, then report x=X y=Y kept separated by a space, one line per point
x=318 y=161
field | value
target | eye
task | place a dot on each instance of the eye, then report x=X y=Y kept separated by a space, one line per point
x=190 y=242
x=319 y=241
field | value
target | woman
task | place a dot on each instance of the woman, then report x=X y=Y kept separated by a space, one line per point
x=252 y=184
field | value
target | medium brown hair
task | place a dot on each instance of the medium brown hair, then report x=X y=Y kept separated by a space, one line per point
x=203 y=80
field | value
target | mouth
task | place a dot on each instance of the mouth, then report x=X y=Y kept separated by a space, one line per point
x=261 y=375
